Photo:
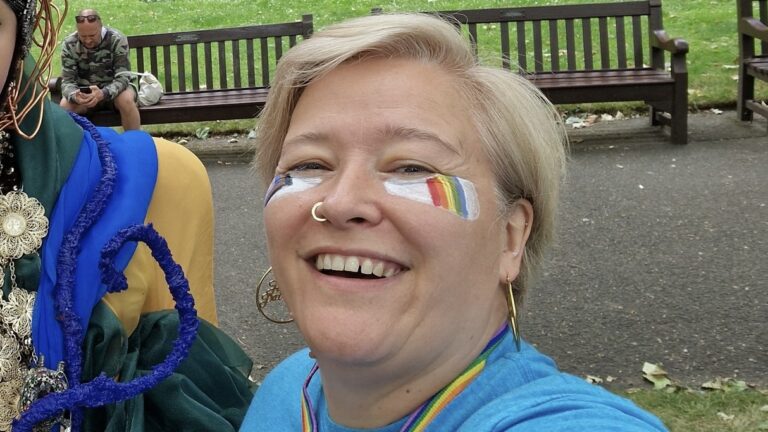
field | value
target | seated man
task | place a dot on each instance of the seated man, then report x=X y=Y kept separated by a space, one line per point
x=91 y=61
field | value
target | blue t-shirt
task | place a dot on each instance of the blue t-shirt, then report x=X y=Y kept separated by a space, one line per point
x=517 y=391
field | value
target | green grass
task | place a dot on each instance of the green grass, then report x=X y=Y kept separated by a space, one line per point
x=707 y=411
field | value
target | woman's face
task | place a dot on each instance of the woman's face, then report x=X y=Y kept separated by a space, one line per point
x=363 y=140
x=7 y=40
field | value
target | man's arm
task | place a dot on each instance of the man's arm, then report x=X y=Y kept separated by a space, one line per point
x=68 y=70
x=122 y=63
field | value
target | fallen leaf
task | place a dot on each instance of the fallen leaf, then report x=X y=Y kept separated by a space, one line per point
x=716 y=111
x=725 y=384
x=610 y=379
x=656 y=375
x=594 y=379
x=725 y=417
x=233 y=140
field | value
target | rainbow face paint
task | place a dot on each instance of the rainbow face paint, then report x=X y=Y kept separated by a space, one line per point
x=450 y=193
x=284 y=184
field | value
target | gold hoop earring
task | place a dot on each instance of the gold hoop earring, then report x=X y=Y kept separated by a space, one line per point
x=314 y=212
x=512 y=313
x=272 y=294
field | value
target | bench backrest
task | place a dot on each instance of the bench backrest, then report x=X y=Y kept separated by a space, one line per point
x=757 y=9
x=230 y=58
x=580 y=37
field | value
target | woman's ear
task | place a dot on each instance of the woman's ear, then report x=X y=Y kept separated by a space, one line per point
x=519 y=222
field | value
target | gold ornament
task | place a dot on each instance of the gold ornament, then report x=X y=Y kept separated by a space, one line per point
x=23 y=225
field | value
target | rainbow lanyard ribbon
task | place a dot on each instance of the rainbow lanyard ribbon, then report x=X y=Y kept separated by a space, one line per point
x=423 y=416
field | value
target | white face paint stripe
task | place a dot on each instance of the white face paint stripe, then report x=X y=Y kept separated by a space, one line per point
x=284 y=184
x=450 y=193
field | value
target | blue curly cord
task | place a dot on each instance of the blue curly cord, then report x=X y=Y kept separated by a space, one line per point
x=103 y=390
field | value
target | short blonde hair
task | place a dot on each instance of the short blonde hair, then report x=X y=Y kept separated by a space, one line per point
x=521 y=131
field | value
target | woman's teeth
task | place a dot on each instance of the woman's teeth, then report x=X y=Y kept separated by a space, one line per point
x=354 y=264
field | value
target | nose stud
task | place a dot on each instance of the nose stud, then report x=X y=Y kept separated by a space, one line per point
x=314 y=212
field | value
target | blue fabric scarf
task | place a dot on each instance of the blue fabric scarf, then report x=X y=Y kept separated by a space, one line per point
x=136 y=158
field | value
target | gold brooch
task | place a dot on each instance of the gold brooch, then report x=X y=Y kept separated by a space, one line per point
x=23 y=225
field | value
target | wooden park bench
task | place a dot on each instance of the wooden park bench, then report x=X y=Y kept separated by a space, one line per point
x=585 y=53
x=753 y=60
x=217 y=74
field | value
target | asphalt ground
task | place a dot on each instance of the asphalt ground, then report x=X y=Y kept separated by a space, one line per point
x=661 y=254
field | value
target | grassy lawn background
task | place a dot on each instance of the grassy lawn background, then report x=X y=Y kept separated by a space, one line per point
x=709 y=26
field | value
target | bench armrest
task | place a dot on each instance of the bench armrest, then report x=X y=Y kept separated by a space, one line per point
x=662 y=40
x=753 y=27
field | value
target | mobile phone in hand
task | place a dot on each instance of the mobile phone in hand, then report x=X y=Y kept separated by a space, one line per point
x=85 y=90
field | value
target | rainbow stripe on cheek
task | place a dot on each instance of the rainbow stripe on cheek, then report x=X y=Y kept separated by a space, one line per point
x=450 y=193
x=285 y=184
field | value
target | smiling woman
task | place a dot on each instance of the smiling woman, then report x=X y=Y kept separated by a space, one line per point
x=94 y=334
x=413 y=194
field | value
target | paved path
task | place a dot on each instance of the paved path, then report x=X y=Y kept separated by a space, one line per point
x=661 y=258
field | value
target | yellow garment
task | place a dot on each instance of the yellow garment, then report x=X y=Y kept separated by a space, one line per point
x=181 y=210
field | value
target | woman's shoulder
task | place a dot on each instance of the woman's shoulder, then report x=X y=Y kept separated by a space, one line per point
x=561 y=402
x=277 y=403
x=525 y=391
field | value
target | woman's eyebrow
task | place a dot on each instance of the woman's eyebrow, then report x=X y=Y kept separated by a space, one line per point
x=402 y=132
x=309 y=137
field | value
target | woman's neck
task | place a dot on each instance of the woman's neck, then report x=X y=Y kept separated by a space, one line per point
x=371 y=396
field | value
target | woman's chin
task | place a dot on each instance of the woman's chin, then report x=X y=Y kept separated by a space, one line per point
x=348 y=344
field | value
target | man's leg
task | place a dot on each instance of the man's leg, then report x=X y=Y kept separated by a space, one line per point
x=125 y=103
x=79 y=109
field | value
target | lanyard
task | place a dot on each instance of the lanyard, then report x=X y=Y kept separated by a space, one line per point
x=422 y=416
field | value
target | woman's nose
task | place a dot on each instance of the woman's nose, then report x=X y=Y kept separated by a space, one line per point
x=353 y=199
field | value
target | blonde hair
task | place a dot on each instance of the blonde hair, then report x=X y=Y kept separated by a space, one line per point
x=521 y=131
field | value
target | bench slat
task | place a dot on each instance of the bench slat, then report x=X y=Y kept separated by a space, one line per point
x=222 y=50
x=208 y=61
x=236 y=64
x=522 y=60
x=140 y=60
x=264 y=62
x=637 y=38
x=570 y=42
x=278 y=48
x=504 y=29
x=153 y=61
x=621 y=48
x=605 y=48
x=538 y=50
x=181 y=62
x=195 y=67
x=251 y=63
x=554 y=46
x=586 y=34
x=167 y=68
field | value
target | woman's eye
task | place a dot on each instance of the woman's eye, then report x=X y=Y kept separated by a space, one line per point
x=414 y=169
x=307 y=166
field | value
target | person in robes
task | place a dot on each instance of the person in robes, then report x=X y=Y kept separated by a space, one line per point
x=107 y=317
